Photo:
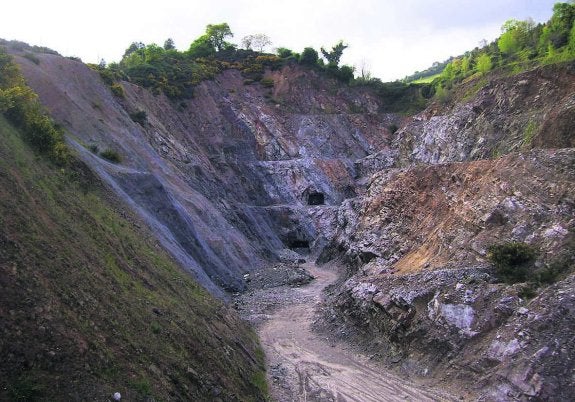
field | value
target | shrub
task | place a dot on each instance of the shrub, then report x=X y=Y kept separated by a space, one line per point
x=272 y=61
x=267 y=82
x=283 y=52
x=111 y=155
x=309 y=56
x=117 y=90
x=512 y=260
x=139 y=117
x=345 y=73
x=32 y=57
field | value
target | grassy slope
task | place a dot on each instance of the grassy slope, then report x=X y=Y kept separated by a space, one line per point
x=89 y=305
x=425 y=80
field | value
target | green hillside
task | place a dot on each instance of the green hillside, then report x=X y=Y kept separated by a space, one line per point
x=91 y=305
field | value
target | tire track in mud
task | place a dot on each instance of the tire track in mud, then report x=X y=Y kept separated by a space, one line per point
x=304 y=366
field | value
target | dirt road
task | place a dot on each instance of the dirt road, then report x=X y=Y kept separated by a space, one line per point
x=304 y=366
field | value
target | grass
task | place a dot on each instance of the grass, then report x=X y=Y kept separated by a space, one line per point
x=426 y=80
x=528 y=134
x=81 y=287
x=111 y=155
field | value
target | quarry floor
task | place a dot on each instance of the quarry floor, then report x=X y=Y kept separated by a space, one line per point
x=304 y=365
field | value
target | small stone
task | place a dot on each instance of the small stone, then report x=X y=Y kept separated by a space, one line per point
x=522 y=311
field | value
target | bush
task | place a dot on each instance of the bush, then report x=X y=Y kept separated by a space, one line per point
x=139 y=117
x=117 y=90
x=267 y=82
x=111 y=155
x=283 y=52
x=19 y=104
x=512 y=260
x=309 y=56
x=32 y=57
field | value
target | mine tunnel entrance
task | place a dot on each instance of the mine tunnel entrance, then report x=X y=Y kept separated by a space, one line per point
x=316 y=199
x=299 y=244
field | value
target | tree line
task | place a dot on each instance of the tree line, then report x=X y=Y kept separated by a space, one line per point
x=175 y=73
x=521 y=45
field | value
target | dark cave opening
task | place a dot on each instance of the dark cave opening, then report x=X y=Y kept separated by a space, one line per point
x=316 y=199
x=299 y=244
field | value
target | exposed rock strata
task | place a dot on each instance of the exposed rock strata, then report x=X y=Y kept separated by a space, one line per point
x=225 y=181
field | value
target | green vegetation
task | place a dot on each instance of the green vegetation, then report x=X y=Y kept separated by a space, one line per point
x=335 y=54
x=91 y=305
x=309 y=57
x=528 y=134
x=117 y=90
x=19 y=104
x=176 y=73
x=267 y=82
x=139 y=116
x=32 y=57
x=111 y=155
x=425 y=80
x=512 y=260
x=522 y=45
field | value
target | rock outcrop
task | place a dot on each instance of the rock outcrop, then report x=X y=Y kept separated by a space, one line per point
x=421 y=294
x=225 y=179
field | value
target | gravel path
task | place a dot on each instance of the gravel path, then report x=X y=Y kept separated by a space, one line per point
x=307 y=366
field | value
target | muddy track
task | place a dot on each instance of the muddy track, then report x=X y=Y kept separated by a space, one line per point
x=305 y=366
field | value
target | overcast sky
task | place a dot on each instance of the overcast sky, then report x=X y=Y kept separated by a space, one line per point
x=393 y=38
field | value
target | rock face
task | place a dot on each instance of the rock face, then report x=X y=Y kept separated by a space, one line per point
x=420 y=294
x=224 y=179
x=233 y=178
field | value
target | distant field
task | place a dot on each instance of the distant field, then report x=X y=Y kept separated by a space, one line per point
x=425 y=80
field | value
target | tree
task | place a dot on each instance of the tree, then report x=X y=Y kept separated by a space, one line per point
x=466 y=64
x=169 y=44
x=309 y=56
x=558 y=28
x=216 y=35
x=283 y=52
x=261 y=41
x=247 y=42
x=133 y=48
x=201 y=47
x=345 y=73
x=515 y=36
x=484 y=63
x=335 y=54
x=258 y=41
x=365 y=74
